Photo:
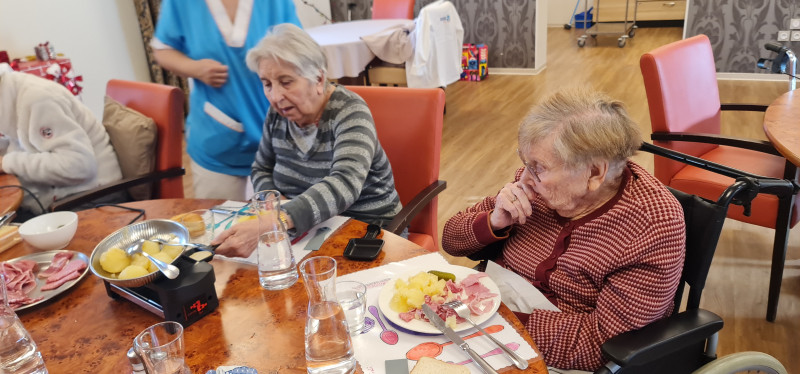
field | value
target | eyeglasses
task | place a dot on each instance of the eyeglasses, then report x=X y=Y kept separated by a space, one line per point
x=532 y=168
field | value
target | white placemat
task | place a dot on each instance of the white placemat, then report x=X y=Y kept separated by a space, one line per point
x=371 y=352
x=298 y=247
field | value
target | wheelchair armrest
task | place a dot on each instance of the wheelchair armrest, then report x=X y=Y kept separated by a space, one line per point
x=410 y=210
x=661 y=338
x=744 y=107
x=762 y=146
x=87 y=196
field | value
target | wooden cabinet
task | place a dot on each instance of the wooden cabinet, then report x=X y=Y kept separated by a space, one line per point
x=649 y=10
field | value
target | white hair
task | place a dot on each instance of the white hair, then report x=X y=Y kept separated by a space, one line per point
x=290 y=44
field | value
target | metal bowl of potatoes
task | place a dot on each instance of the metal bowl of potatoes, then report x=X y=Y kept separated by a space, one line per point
x=166 y=230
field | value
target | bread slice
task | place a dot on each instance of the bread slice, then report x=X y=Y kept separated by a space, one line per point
x=428 y=365
x=9 y=236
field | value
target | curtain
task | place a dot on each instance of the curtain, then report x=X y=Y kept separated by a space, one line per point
x=147 y=12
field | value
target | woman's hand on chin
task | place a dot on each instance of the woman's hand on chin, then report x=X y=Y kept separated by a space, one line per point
x=512 y=205
x=238 y=241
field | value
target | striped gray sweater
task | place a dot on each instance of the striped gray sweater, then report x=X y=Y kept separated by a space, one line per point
x=346 y=172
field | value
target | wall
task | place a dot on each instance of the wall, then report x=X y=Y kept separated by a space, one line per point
x=507 y=27
x=101 y=37
x=559 y=12
x=739 y=29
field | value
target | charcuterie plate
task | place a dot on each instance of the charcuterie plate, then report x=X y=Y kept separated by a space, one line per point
x=43 y=259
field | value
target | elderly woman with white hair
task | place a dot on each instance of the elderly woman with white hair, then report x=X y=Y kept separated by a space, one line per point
x=598 y=235
x=319 y=148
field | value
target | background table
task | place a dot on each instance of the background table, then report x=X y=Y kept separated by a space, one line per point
x=782 y=125
x=84 y=330
x=347 y=54
x=10 y=198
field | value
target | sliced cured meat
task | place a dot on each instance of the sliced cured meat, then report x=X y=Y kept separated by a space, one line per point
x=58 y=262
x=58 y=283
x=19 y=276
x=71 y=267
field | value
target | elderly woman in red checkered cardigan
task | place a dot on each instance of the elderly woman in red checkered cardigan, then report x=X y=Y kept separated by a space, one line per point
x=596 y=233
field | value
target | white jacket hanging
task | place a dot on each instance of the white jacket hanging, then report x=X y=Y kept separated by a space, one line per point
x=437 y=38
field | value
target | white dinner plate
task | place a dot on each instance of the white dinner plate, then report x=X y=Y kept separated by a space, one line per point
x=423 y=326
x=44 y=259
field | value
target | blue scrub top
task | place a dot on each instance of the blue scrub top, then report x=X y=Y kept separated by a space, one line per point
x=227 y=142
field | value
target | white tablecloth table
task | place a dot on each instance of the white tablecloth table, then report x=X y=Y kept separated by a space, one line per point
x=347 y=54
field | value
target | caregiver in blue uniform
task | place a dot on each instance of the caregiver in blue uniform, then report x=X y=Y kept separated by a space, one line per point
x=207 y=41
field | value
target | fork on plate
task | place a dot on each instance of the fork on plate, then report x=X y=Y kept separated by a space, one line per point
x=464 y=312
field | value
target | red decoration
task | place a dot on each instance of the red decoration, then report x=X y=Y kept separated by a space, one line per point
x=58 y=70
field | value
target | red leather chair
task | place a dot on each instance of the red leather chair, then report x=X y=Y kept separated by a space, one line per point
x=389 y=9
x=164 y=104
x=682 y=93
x=409 y=125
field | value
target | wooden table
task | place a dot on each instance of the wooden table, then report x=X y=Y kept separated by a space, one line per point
x=782 y=125
x=10 y=198
x=84 y=330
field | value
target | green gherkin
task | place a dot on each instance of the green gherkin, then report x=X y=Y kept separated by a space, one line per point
x=443 y=275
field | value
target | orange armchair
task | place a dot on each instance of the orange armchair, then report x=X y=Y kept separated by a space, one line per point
x=682 y=93
x=409 y=126
x=389 y=9
x=164 y=104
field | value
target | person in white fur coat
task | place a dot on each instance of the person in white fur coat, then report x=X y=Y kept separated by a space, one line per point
x=50 y=141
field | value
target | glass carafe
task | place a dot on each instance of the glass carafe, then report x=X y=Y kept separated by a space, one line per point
x=277 y=269
x=18 y=352
x=329 y=349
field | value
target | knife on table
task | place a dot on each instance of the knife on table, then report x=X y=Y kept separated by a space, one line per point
x=450 y=334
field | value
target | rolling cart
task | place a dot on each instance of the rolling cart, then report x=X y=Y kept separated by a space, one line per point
x=625 y=28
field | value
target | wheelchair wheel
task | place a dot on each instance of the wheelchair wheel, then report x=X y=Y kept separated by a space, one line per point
x=743 y=362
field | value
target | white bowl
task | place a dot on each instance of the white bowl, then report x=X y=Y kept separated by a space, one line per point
x=50 y=231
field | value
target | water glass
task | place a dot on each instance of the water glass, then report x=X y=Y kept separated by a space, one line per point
x=200 y=224
x=277 y=269
x=352 y=297
x=18 y=351
x=161 y=348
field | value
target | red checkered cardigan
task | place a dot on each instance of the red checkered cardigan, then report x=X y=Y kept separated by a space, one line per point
x=619 y=271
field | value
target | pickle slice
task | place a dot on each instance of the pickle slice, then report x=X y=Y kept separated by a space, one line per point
x=443 y=275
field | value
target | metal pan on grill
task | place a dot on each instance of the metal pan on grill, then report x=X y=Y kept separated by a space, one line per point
x=166 y=230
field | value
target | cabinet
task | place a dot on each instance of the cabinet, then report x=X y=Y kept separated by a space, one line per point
x=649 y=10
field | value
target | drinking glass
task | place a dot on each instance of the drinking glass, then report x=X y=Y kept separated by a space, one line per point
x=18 y=351
x=161 y=348
x=200 y=224
x=352 y=296
x=329 y=349
x=277 y=269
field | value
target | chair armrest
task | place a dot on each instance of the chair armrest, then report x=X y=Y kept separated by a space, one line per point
x=87 y=196
x=661 y=338
x=744 y=107
x=410 y=210
x=754 y=145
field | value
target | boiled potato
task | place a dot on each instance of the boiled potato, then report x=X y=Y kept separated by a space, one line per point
x=151 y=267
x=133 y=271
x=173 y=250
x=164 y=256
x=411 y=294
x=114 y=260
x=139 y=260
x=151 y=247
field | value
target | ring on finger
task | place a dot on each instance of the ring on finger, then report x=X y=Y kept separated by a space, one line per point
x=513 y=198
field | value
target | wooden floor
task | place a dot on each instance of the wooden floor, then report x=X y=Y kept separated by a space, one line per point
x=478 y=157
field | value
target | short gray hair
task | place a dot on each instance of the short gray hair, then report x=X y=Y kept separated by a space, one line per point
x=290 y=44
x=586 y=125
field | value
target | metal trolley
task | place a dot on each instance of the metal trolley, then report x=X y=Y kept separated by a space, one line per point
x=626 y=28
